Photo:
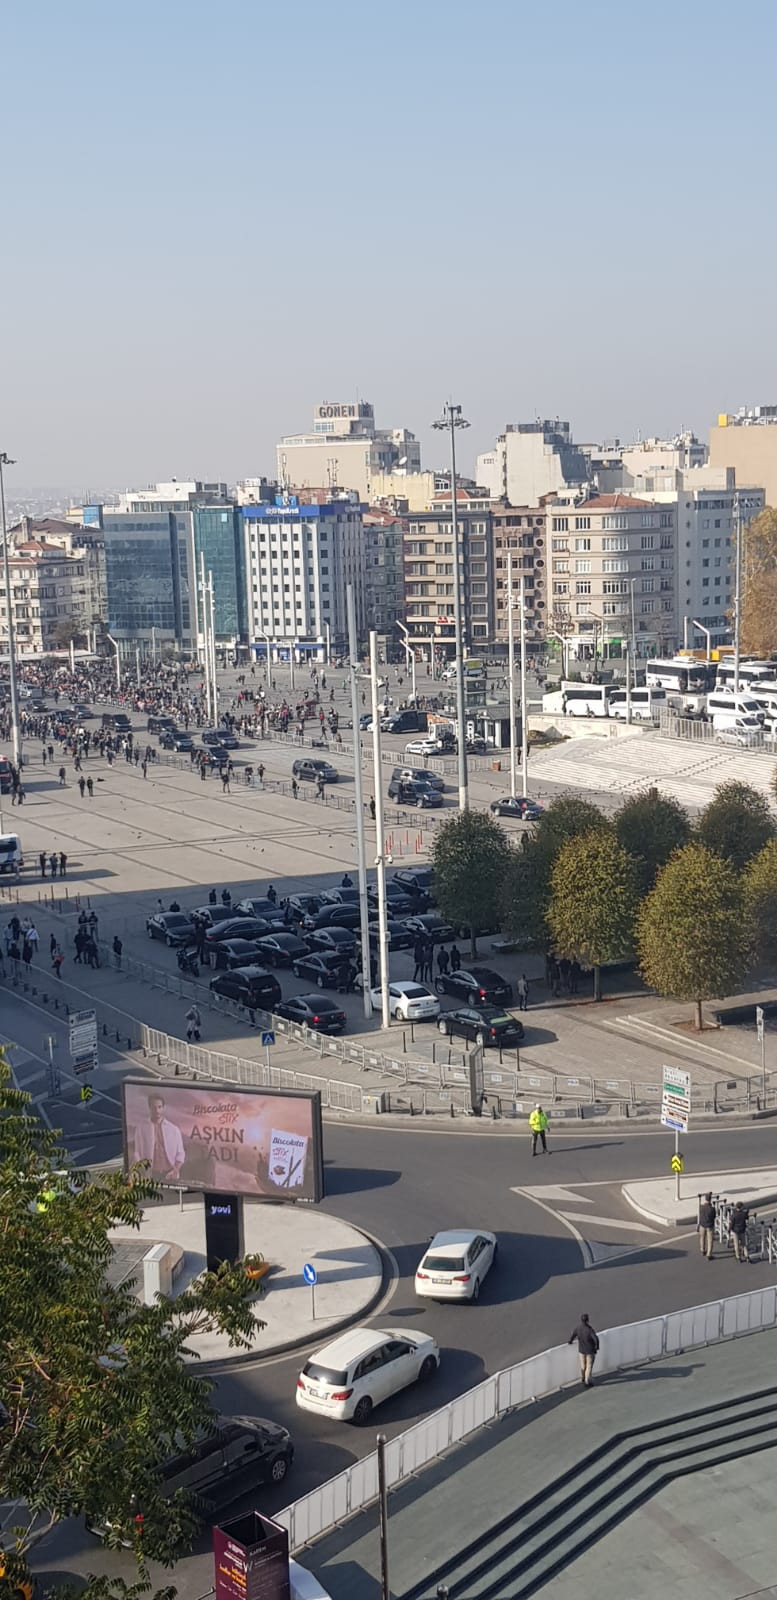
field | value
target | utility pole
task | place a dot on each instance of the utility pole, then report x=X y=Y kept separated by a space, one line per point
x=212 y=647
x=524 y=719
x=450 y=420
x=737 y=589
x=16 y=732
x=511 y=672
x=205 y=650
x=358 y=787
x=114 y=642
x=380 y=843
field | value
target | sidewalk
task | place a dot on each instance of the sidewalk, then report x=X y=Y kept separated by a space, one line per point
x=349 y=1266
x=654 y=1198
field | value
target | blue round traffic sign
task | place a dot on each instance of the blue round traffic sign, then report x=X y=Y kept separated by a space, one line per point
x=309 y=1273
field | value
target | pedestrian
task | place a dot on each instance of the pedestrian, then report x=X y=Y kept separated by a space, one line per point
x=82 y=786
x=52 y=946
x=426 y=974
x=522 y=988
x=372 y=807
x=212 y=897
x=80 y=943
x=706 y=1224
x=225 y=789
x=455 y=958
x=418 y=957
x=740 y=1217
x=538 y=1127
x=91 y=952
x=193 y=1024
x=57 y=963
x=62 y=777
x=90 y=787
x=54 y=863
x=320 y=787
x=144 y=768
x=346 y=882
x=32 y=937
x=27 y=953
x=294 y=788
x=42 y=860
x=62 y=864
x=443 y=961
x=588 y=1348
x=117 y=948
x=260 y=774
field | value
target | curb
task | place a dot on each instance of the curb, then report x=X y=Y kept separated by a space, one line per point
x=388 y=1275
x=687 y=1219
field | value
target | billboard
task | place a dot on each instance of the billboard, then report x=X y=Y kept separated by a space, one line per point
x=262 y=1143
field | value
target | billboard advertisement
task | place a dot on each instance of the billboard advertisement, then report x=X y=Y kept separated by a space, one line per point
x=261 y=1143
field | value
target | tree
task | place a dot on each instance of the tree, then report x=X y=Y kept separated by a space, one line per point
x=470 y=857
x=759 y=883
x=67 y=633
x=759 y=589
x=690 y=930
x=736 y=824
x=94 y=1392
x=525 y=893
x=566 y=818
x=651 y=826
x=593 y=902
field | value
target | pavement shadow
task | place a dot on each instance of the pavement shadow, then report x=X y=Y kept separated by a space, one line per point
x=534 y=1035
x=350 y=1180
x=349 y=1581
x=648 y=1372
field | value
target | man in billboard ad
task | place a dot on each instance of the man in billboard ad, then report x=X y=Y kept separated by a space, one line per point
x=264 y=1144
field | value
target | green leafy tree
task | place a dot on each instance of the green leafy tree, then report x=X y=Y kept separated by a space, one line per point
x=759 y=883
x=526 y=888
x=651 y=826
x=470 y=857
x=736 y=824
x=67 y=633
x=568 y=818
x=691 y=934
x=94 y=1391
x=593 y=903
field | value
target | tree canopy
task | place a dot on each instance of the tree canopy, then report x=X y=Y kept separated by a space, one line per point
x=593 y=902
x=651 y=826
x=736 y=823
x=759 y=589
x=759 y=882
x=567 y=818
x=94 y=1392
x=691 y=934
x=470 y=857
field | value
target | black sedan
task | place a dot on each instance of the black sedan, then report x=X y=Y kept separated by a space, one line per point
x=230 y=953
x=341 y=940
x=208 y=916
x=483 y=1025
x=314 y=1011
x=216 y=737
x=251 y=986
x=399 y=936
x=324 y=967
x=238 y=928
x=264 y=906
x=517 y=805
x=431 y=927
x=398 y=904
x=476 y=985
x=303 y=905
x=174 y=739
x=174 y=927
x=341 y=896
x=333 y=917
x=280 y=949
x=215 y=755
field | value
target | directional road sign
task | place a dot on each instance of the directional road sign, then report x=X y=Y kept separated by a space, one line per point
x=675 y=1099
x=268 y=1037
x=759 y=1022
x=309 y=1273
x=678 y=1165
x=82 y=1039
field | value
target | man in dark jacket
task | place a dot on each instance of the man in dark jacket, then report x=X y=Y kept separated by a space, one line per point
x=588 y=1345
x=740 y=1217
x=707 y=1215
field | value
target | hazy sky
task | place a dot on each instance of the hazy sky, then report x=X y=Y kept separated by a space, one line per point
x=216 y=214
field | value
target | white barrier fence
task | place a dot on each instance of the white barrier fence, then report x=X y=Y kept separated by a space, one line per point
x=355 y=1488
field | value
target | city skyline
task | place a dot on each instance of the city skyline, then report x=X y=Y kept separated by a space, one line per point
x=215 y=219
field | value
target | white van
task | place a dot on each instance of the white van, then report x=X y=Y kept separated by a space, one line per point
x=723 y=708
x=647 y=702
x=11 y=857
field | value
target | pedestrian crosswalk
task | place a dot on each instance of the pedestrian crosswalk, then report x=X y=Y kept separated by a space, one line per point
x=597 y=1218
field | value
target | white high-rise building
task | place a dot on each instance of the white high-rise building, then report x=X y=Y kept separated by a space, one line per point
x=345 y=450
x=531 y=460
x=299 y=560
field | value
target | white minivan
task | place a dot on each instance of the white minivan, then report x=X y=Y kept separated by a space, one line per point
x=747 y=732
x=11 y=857
x=724 y=707
x=349 y=1377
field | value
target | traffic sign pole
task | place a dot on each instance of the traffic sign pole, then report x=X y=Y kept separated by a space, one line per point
x=759 y=1023
x=677 y=1167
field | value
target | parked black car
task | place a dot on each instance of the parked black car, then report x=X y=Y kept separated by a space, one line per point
x=280 y=949
x=160 y=724
x=324 y=967
x=309 y=770
x=430 y=926
x=340 y=940
x=252 y=986
x=399 y=936
x=517 y=805
x=303 y=905
x=174 y=739
x=315 y=1010
x=230 y=953
x=173 y=927
x=209 y=916
x=476 y=985
x=237 y=928
x=333 y=917
x=483 y=1025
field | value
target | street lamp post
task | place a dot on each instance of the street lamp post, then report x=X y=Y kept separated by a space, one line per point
x=16 y=732
x=114 y=642
x=409 y=653
x=450 y=420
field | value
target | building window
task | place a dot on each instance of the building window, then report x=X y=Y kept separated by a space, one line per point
x=583 y=587
x=582 y=544
x=582 y=566
x=560 y=524
x=582 y=522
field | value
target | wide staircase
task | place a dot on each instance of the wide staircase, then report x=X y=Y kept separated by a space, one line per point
x=526 y=1549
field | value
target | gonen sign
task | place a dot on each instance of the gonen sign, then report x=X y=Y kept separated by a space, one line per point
x=263 y=1143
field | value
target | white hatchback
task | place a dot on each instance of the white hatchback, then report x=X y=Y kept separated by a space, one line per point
x=349 y=1377
x=409 y=1002
x=422 y=747
x=455 y=1264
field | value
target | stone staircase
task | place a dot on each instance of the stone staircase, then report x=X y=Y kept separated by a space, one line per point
x=526 y=1549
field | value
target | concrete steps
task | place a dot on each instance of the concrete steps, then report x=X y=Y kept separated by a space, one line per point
x=525 y=1550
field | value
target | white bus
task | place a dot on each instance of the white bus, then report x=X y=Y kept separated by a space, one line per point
x=586 y=699
x=647 y=703
x=682 y=674
x=750 y=673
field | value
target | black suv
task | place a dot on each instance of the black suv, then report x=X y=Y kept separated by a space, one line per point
x=250 y=986
x=226 y=1464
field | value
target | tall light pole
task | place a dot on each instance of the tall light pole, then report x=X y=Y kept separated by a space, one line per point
x=16 y=732
x=380 y=842
x=114 y=643
x=524 y=718
x=358 y=791
x=737 y=590
x=409 y=653
x=450 y=420
x=511 y=671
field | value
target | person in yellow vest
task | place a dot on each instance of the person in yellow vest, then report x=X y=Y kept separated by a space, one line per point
x=538 y=1125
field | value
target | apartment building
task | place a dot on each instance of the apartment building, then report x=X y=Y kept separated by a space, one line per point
x=429 y=574
x=613 y=574
x=531 y=460
x=345 y=450
x=746 y=440
x=299 y=560
x=384 y=574
x=519 y=538
x=55 y=591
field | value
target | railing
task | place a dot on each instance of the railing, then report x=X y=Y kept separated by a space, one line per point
x=324 y=1508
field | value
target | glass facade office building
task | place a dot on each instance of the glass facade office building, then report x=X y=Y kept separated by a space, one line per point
x=148 y=578
x=218 y=536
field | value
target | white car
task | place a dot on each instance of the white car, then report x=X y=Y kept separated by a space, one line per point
x=455 y=1264
x=409 y=1002
x=422 y=747
x=349 y=1377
